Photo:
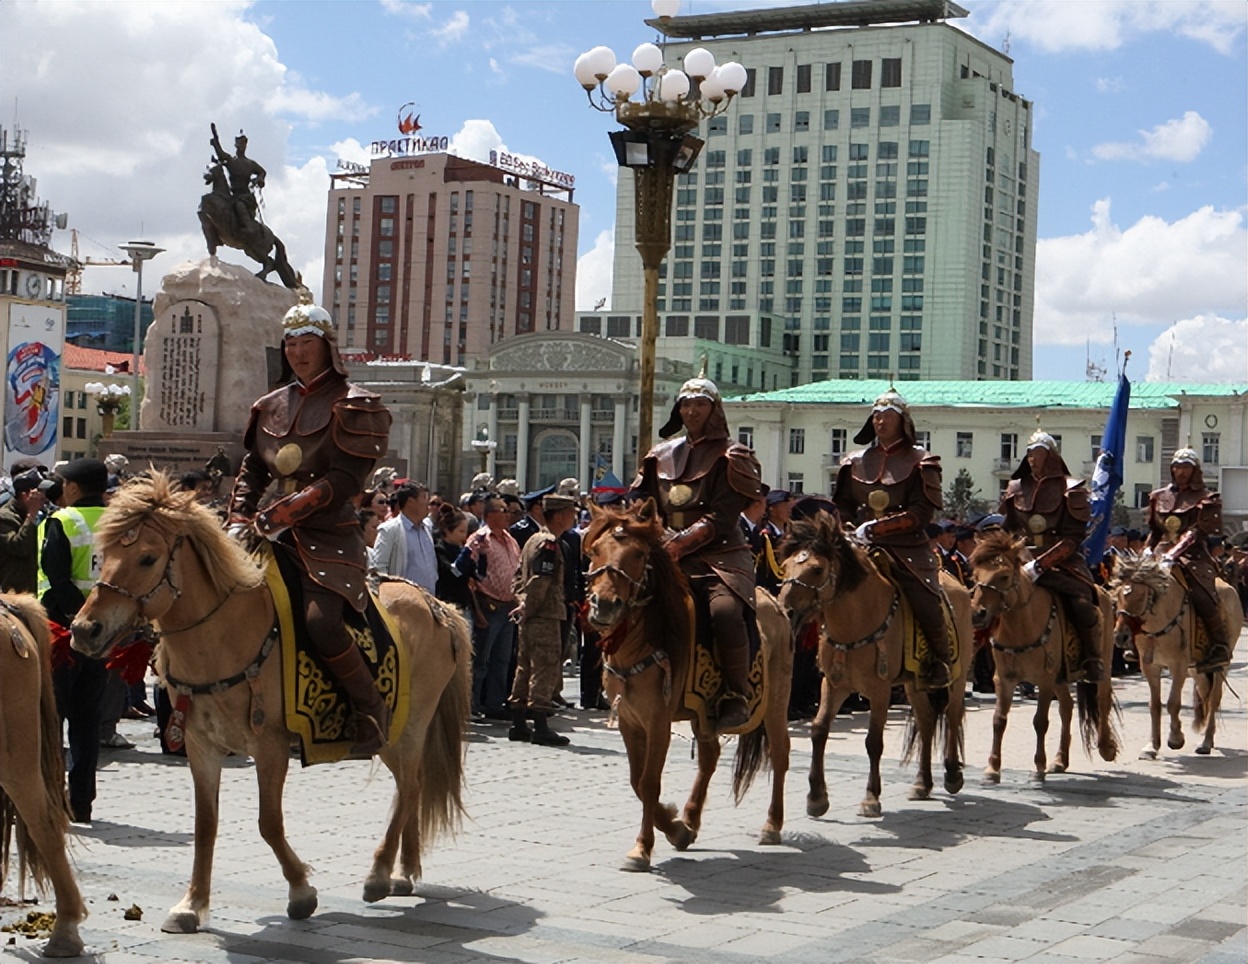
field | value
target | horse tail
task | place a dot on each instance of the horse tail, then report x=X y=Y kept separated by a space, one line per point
x=1096 y=724
x=441 y=786
x=752 y=755
x=938 y=700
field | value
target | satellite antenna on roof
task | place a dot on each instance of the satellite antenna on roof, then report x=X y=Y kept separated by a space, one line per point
x=1005 y=44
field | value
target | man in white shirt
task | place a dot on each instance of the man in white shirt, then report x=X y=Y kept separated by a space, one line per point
x=404 y=545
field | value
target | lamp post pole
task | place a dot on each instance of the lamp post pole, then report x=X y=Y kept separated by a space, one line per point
x=657 y=144
x=139 y=251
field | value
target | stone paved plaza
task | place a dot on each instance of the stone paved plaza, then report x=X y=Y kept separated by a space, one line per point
x=1131 y=861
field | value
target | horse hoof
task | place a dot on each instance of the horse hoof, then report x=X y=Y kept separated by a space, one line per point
x=870 y=808
x=181 y=922
x=954 y=782
x=636 y=865
x=375 y=890
x=63 y=945
x=920 y=793
x=1037 y=778
x=401 y=887
x=302 y=907
x=1203 y=750
x=1148 y=753
x=680 y=836
x=816 y=806
x=991 y=778
x=1058 y=768
x=769 y=838
x=1175 y=742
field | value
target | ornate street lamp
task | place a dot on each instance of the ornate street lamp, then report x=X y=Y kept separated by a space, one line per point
x=139 y=251
x=108 y=399
x=657 y=145
x=484 y=445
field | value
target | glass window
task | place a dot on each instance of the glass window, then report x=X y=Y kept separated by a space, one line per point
x=775 y=80
x=797 y=441
x=832 y=76
x=861 y=75
x=1144 y=448
x=963 y=450
x=920 y=114
x=773 y=123
x=859 y=117
x=1210 y=445
x=745 y=125
x=803 y=78
x=890 y=116
x=831 y=120
x=745 y=435
x=890 y=72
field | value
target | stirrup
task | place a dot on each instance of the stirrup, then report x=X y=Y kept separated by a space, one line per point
x=371 y=734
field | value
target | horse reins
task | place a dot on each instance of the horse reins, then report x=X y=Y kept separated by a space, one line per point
x=1042 y=641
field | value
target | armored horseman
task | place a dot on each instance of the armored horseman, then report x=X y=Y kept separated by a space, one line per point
x=1182 y=516
x=891 y=490
x=701 y=482
x=1050 y=509
x=317 y=438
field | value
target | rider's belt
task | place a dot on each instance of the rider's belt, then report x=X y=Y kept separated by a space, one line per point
x=684 y=518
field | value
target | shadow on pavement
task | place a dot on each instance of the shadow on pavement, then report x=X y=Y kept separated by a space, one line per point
x=960 y=819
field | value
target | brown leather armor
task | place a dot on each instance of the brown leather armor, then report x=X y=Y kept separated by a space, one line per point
x=1052 y=514
x=1179 y=522
x=317 y=443
x=898 y=489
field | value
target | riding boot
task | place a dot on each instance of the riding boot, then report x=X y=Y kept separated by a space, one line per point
x=372 y=716
x=929 y=613
x=734 y=664
x=1089 y=646
x=1208 y=608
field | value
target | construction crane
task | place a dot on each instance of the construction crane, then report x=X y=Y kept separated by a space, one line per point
x=73 y=279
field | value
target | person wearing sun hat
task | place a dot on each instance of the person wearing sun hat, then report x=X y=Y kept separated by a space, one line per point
x=317 y=438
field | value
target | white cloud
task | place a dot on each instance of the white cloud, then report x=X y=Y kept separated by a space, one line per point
x=593 y=272
x=1207 y=348
x=1181 y=140
x=406 y=8
x=1148 y=274
x=476 y=139
x=453 y=30
x=1110 y=85
x=171 y=69
x=1059 y=25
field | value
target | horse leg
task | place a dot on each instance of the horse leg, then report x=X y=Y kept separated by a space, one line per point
x=1210 y=695
x=191 y=912
x=777 y=723
x=380 y=882
x=870 y=806
x=1040 y=722
x=272 y=758
x=829 y=703
x=1000 y=717
x=1174 y=708
x=1152 y=675
x=1065 y=712
x=955 y=718
x=684 y=831
x=925 y=725
x=646 y=756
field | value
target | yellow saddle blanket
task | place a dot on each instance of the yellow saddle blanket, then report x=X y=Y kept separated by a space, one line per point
x=914 y=642
x=704 y=684
x=316 y=708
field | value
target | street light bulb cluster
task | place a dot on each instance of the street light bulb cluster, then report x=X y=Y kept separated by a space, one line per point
x=106 y=392
x=620 y=82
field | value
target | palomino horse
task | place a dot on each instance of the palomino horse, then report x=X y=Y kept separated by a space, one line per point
x=1025 y=621
x=32 y=770
x=166 y=559
x=640 y=599
x=1154 y=608
x=829 y=578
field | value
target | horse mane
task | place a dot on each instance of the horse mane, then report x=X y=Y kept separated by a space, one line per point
x=667 y=616
x=996 y=543
x=157 y=501
x=1146 y=569
x=822 y=536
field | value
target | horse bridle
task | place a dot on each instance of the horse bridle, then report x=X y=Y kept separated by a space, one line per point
x=167 y=580
x=1004 y=593
x=829 y=580
x=641 y=586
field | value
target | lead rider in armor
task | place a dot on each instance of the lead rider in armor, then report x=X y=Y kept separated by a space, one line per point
x=1050 y=509
x=317 y=438
x=891 y=491
x=1181 y=517
x=701 y=483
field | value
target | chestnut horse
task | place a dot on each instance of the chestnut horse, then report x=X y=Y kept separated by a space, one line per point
x=166 y=559
x=1155 y=609
x=1026 y=624
x=636 y=592
x=830 y=578
x=32 y=769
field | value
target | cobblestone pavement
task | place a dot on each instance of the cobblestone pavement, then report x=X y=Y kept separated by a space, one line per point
x=1130 y=861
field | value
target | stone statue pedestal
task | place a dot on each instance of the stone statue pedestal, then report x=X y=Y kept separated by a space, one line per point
x=213 y=348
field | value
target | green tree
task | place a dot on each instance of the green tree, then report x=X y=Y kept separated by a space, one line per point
x=963 y=499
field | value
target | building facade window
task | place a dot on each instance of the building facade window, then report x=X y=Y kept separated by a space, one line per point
x=1144 y=448
x=797 y=441
x=1210 y=446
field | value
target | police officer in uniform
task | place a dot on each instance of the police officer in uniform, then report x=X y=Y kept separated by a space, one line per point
x=1050 y=509
x=1182 y=516
x=318 y=437
x=891 y=490
x=541 y=612
x=701 y=482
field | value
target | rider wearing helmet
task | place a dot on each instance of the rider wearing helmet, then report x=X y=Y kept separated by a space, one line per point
x=891 y=490
x=1051 y=509
x=1182 y=516
x=701 y=482
x=317 y=438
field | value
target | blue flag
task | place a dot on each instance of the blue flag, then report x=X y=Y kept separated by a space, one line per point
x=1107 y=478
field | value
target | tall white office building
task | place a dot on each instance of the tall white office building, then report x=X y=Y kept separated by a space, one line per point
x=871 y=194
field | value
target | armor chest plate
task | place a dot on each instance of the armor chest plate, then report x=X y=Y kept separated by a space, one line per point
x=682 y=501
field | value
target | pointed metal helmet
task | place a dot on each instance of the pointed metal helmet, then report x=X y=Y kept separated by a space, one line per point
x=891 y=401
x=698 y=387
x=306 y=318
x=1188 y=456
x=1042 y=440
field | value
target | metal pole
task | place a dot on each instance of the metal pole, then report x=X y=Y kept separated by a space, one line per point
x=649 y=338
x=134 y=360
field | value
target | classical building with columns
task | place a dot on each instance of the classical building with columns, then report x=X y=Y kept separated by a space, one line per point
x=559 y=405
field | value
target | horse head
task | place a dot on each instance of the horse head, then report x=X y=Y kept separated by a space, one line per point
x=819 y=563
x=622 y=546
x=1140 y=582
x=997 y=569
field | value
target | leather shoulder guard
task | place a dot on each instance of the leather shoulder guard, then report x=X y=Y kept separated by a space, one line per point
x=361 y=424
x=1077 y=499
x=262 y=408
x=745 y=475
x=929 y=469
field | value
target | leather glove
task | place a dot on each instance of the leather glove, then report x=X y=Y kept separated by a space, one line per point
x=1032 y=570
x=863 y=532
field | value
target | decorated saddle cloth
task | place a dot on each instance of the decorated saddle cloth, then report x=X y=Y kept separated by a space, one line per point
x=316 y=707
x=704 y=681
x=914 y=645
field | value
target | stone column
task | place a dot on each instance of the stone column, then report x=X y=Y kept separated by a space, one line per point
x=585 y=465
x=491 y=423
x=522 y=441
x=619 y=437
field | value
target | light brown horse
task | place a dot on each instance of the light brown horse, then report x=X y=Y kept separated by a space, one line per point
x=1155 y=609
x=640 y=598
x=1026 y=622
x=166 y=559
x=829 y=578
x=32 y=769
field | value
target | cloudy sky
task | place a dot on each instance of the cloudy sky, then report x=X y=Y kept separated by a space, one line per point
x=1140 y=107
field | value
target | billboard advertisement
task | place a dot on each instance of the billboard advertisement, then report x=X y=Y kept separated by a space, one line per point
x=32 y=374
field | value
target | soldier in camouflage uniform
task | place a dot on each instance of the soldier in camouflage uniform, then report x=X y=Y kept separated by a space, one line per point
x=541 y=612
x=1181 y=518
